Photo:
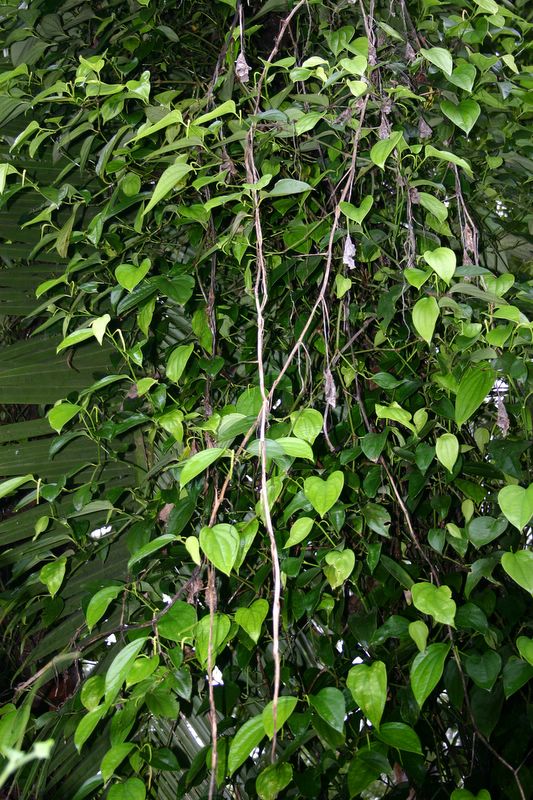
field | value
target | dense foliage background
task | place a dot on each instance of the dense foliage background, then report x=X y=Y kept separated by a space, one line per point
x=266 y=390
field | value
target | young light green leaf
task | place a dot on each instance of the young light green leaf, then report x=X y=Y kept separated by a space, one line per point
x=425 y=315
x=519 y=567
x=129 y=276
x=299 y=531
x=307 y=122
x=119 y=668
x=433 y=205
x=524 y=645
x=516 y=504
x=368 y=685
x=447 y=450
x=418 y=631
x=198 y=463
x=192 y=546
x=12 y=484
x=445 y=155
x=435 y=601
x=131 y=789
x=426 y=671
x=251 y=619
x=340 y=565
x=395 y=412
x=442 y=260
x=464 y=76
x=357 y=213
x=178 y=623
x=52 y=574
x=307 y=424
x=59 y=415
x=440 y=57
x=99 y=327
x=221 y=628
x=167 y=182
x=92 y=692
x=172 y=118
x=221 y=546
x=99 y=603
x=324 y=494
x=382 y=149
x=75 y=338
x=296 y=448
x=286 y=706
x=476 y=383
x=87 y=724
x=220 y=111
x=114 y=758
x=247 y=738
x=178 y=361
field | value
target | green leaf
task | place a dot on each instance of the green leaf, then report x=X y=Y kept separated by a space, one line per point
x=525 y=648
x=357 y=213
x=141 y=669
x=272 y=780
x=464 y=794
x=75 y=338
x=445 y=155
x=87 y=725
x=476 y=383
x=296 y=448
x=307 y=122
x=92 y=692
x=330 y=705
x=342 y=285
x=59 y=415
x=382 y=149
x=221 y=546
x=99 y=603
x=426 y=671
x=396 y=413
x=251 y=619
x=220 y=111
x=340 y=566
x=52 y=574
x=418 y=631
x=464 y=76
x=323 y=494
x=373 y=443
x=286 y=706
x=150 y=548
x=425 y=315
x=119 y=668
x=435 y=601
x=288 y=186
x=299 y=531
x=178 y=361
x=364 y=769
x=113 y=758
x=464 y=114
x=368 y=685
x=440 y=57
x=172 y=118
x=247 y=738
x=12 y=484
x=516 y=504
x=131 y=789
x=178 y=623
x=307 y=424
x=128 y=276
x=483 y=530
x=447 y=450
x=167 y=182
x=355 y=66
x=433 y=205
x=99 y=326
x=401 y=736
x=442 y=260
x=483 y=668
x=519 y=567
x=198 y=463
x=221 y=628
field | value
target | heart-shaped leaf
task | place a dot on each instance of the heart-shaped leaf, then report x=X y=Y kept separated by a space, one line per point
x=299 y=530
x=357 y=213
x=517 y=504
x=324 y=494
x=473 y=388
x=483 y=668
x=368 y=685
x=442 y=260
x=128 y=276
x=447 y=450
x=340 y=567
x=426 y=671
x=425 y=315
x=221 y=628
x=272 y=780
x=525 y=648
x=221 y=546
x=483 y=530
x=464 y=76
x=435 y=601
x=440 y=57
x=519 y=567
x=382 y=149
x=251 y=619
x=330 y=705
x=464 y=115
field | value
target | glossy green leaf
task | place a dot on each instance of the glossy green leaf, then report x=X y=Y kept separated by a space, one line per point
x=52 y=574
x=247 y=738
x=447 y=450
x=425 y=315
x=221 y=546
x=285 y=708
x=516 y=504
x=418 y=631
x=221 y=628
x=99 y=603
x=323 y=494
x=87 y=725
x=382 y=149
x=299 y=531
x=151 y=547
x=177 y=362
x=178 y=623
x=131 y=789
x=11 y=485
x=426 y=671
x=435 y=601
x=340 y=566
x=400 y=736
x=288 y=186
x=368 y=685
x=307 y=424
x=272 y=780
x=330 y=705
x=442 y=260
x=196 y=464
x=357 y=213
x=476 y=383
x=168 y=181
x=120 y=666
x=129 y=276
x=251 y=619
x=59 y=415
x=519 y=567
x=440 y=57
x=114 y=758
